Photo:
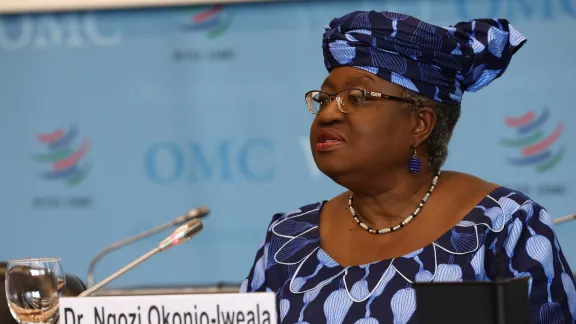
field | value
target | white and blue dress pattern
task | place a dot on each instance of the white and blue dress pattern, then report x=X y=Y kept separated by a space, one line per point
x=313 y=288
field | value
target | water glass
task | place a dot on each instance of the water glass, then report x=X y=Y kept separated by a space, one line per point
x=33 y=289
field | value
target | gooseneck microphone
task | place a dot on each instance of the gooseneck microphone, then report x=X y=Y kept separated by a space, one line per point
x=181 y=235
x=199 y=212
x=564 y=219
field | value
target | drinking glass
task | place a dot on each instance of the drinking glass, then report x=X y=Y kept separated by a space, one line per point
x=33 y=289
x=60 y=278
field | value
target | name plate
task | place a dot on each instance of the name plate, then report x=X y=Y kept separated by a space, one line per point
x=253 y=308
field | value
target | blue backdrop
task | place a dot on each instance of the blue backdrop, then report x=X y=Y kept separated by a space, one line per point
x=116 y=121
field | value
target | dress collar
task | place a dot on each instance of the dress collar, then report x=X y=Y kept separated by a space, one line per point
x=296 y=242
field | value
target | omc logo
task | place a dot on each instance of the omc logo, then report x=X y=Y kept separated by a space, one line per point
x=226 y=160
x=214 y=20
x=65 y=160
x=45 y=31
x=537 y=147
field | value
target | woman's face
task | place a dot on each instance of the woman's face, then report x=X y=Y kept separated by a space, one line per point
x=359 y=145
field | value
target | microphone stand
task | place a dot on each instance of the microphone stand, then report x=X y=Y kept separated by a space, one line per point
x=123 y=243
x=565 y=219
x=120 y=272
x=195 y=213
x=181 y=235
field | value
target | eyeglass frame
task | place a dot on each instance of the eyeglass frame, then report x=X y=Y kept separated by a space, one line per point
x=365 y=93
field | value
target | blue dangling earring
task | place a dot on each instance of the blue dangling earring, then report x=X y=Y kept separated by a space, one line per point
x=414 y=163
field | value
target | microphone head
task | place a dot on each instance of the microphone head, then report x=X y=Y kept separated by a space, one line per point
x=199 y=212
x=193 y=227
x=182 y=234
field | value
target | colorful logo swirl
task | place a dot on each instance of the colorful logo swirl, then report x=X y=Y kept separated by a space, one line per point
x=64 y=159
x=536 y=146
x=212 y=20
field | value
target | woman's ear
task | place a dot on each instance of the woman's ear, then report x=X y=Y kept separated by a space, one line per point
x=425 y=120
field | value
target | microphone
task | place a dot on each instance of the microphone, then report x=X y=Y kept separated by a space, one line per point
x=199 y=212
x=564 y=219
x=181 y=235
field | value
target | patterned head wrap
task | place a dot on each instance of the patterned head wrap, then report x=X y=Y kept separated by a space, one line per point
x=437 y=62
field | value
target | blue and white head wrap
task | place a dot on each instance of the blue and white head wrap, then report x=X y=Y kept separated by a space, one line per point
x=437 y=62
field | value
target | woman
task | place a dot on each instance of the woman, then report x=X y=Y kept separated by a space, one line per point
x=384 y=117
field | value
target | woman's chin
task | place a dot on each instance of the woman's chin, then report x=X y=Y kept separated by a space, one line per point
x=333 y=168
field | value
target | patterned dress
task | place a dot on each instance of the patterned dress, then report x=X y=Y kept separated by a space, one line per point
x=311 y=287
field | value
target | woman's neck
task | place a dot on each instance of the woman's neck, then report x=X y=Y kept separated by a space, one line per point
x=393 y=202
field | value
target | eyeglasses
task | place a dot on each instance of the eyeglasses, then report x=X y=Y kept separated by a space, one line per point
x=348 y=100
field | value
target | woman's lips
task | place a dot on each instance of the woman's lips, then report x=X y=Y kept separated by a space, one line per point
x=329 y=139
x=328 y=145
